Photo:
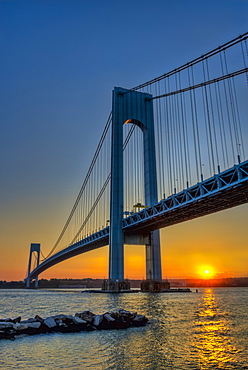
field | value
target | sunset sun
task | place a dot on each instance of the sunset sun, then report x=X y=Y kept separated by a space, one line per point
x=206 y=272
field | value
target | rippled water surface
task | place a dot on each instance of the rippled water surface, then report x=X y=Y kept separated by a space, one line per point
x=205 y=330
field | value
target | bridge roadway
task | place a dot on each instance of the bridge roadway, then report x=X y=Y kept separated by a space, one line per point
x=222 y=191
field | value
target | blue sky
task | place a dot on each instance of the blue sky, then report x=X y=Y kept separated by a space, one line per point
x=60 y=60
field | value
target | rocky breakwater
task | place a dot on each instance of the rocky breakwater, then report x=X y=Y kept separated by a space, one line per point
x=83 y=321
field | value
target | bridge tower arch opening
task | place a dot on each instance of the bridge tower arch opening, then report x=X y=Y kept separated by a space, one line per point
x=137 y=108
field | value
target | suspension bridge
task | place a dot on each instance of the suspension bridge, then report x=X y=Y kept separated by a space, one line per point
x=173 y=149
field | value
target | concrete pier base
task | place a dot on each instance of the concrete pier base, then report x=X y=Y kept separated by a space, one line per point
x=115 y=286
x=154 y=286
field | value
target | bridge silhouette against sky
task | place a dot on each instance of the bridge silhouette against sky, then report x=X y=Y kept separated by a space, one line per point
x=173 y=149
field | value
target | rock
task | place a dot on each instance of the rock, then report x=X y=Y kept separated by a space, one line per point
x=86 y=320
x=97 y=320
x=50 y=322
x=35 y=325
x=68 y=320
x=38 y=318
x=19 y=326
x=86 y=316
x=139 y=320
x=6 y=325
x=77 y=320
x=17 y=319
x=121 y=321
x=59 y=322
x=124 y=312
x=59 y=317
x=108 y=317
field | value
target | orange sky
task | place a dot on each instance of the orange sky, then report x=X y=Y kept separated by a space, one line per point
x=216 y=242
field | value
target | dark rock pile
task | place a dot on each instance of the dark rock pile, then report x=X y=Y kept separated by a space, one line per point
x=84 y=321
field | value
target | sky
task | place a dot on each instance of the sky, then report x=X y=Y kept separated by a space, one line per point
x=60 y=60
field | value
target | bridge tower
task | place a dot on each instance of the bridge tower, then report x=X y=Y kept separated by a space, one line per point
x=137 y=108
x=34 y=247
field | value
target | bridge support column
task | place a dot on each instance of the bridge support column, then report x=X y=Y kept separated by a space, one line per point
x=153 y=257
x=34 y=247
x=116 y=244
x=137 y=108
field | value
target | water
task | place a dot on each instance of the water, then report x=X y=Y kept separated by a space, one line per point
x=205 y=330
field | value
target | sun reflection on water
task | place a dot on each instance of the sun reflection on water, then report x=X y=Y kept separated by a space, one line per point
x=212 y=337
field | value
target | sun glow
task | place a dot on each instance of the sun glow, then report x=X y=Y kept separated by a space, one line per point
x=206 y=272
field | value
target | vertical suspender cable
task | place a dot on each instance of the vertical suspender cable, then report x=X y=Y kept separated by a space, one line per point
x=232 y=101
x=168 y=141
x=241 y=147
x=227 y=110
x=156 y=116
x=208 y=125
x=213 y=119
x=197 y=128
x=162 y=186
x=220 y=121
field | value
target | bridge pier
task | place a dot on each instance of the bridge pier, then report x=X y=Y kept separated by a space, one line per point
x=137 y=108
x=34 y=247
x=153 y=257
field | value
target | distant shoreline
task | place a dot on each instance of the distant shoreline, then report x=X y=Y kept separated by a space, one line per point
x=89 y=283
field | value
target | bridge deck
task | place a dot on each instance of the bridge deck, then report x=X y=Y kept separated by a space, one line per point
x=220 y=192
x=225 y=190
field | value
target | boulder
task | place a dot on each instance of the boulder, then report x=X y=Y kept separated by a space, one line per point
x=69 y=320
x=59 y=322
x=38 y=318
x=50 y=322
x=19 y=326
x=59 y=317
x=86 y=316
x=35 y=325
x=139 y=320
x=17 y=319
x=97 y=320
x=6 y=325
x=108 y=317
x=86 y=320
x=78 y=320
x=124 y=312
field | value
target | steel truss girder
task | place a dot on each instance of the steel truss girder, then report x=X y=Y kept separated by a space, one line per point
x=230 y=187
x=94 y=241
x=222 y=191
